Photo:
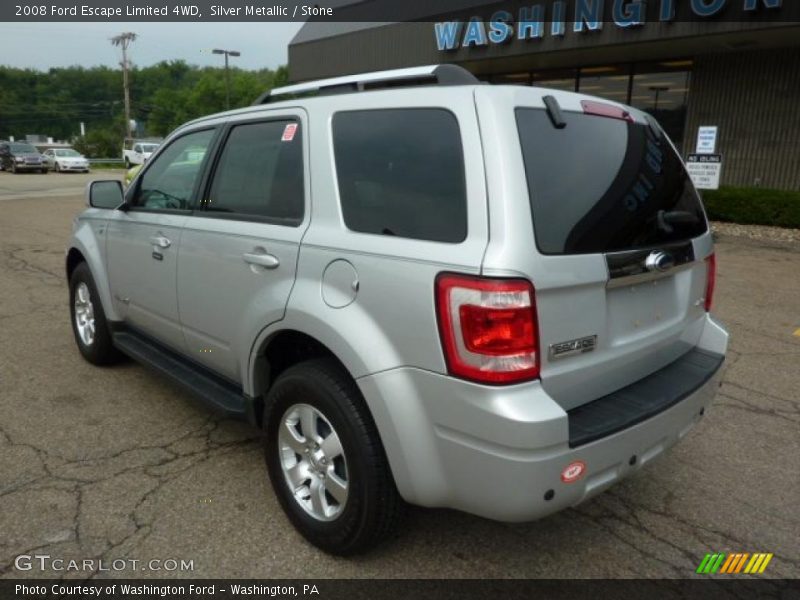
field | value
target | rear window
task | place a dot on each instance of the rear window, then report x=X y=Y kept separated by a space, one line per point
x=401 y=173
x=603 y=185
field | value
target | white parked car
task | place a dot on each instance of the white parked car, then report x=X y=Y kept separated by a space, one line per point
x=65 y=159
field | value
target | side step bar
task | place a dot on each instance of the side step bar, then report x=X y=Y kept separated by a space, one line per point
x=214 y=391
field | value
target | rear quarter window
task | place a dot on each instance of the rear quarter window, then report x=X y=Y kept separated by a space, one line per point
x=401 y=173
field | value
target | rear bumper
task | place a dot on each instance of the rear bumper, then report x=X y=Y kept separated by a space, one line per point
x=499 y=452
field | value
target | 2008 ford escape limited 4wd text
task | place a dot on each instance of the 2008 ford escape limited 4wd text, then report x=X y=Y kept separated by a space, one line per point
x=424 y=289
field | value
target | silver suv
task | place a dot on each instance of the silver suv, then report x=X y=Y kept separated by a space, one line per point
x=423 y=289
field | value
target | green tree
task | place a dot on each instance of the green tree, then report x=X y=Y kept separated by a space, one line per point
x=164 y=95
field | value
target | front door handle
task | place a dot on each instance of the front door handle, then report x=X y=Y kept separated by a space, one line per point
x=262 y=259
x=160 y=241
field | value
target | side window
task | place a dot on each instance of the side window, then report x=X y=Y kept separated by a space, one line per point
x=401 y=173
x=260 y=173
x=170 y=179
x=137 y=148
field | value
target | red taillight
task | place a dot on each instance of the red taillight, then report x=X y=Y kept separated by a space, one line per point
x=711 y=280
x=488 y=328
x=601 y=109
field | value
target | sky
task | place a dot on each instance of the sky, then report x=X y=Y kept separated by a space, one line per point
x=45 y=45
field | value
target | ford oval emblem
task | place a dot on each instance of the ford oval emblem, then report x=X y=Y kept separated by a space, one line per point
x=659 y=261
x=573 y=471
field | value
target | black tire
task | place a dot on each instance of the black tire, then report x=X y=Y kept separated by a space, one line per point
x=14 y=168
x=45 y=171
x=57 y=168
x=127 y=163
x=101 y=350
x=373 y=506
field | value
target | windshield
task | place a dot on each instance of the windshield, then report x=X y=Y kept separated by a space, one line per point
x=149 y=148
x=23 y=149
x=603 y=184
x=67 y=152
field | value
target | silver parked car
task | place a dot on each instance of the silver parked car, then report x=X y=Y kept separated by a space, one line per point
x=489 y=298
x=65 y=159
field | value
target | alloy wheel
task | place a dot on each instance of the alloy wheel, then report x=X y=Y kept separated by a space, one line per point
x=84 y=313
x=313 y=462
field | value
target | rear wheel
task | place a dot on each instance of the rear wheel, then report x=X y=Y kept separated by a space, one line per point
x=89 y=323
x=326 y=461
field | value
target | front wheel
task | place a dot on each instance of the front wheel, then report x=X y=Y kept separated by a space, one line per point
x=127 y=163
x=89 y=324
x=326 y=461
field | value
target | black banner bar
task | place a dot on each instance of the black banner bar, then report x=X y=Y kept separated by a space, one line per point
x=707 y=588
x=626 y=13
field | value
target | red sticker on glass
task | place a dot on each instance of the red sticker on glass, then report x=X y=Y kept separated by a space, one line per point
x=288 y=132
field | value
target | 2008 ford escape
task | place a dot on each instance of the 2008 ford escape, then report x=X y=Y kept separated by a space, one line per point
x=489 y=298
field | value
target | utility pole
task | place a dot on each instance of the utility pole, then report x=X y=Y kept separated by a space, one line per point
x=124 y=40
x=227 y=53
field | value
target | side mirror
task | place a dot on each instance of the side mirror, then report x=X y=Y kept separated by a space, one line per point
x=105 y=194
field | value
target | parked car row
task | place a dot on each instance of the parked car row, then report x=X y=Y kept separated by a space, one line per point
x=23 y=156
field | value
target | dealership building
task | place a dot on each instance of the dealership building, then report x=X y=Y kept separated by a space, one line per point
x=730 y=67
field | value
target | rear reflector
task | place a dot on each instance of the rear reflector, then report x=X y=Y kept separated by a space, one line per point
x=711 y=280
x=601 y=109
x=488 y=328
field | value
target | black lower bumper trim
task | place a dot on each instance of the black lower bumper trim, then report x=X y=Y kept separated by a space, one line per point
x=641 y=400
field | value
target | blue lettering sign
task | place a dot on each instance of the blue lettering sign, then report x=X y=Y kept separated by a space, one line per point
x=499 y=29
x=667 y=12
x=706 y=8
x=628 y=14
x=475 y=35
x=588 y=13
x=447 y=35
x=559 y=24
x=530 y=24
x=754 y=4
x=589 y=16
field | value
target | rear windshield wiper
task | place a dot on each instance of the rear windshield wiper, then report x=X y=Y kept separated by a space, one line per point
x=664 y=219
x=554 y=112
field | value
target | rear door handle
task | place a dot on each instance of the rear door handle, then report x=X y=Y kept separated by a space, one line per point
x=262 y=259
x=160 y=241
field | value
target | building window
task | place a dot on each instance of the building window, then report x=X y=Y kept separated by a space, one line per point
x=612 y=82
x=565 y=79
x=662 y=89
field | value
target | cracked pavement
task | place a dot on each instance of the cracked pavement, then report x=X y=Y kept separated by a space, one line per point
x=118 y=463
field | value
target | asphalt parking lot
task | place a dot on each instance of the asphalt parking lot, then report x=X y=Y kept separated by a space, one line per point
x=118 y=463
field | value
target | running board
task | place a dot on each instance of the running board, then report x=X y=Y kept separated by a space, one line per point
x=214 y=391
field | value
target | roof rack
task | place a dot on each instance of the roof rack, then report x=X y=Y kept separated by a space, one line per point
x=431 y=74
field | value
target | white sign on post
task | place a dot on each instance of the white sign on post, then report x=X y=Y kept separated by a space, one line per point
x=704 y=169
x=706 y=139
